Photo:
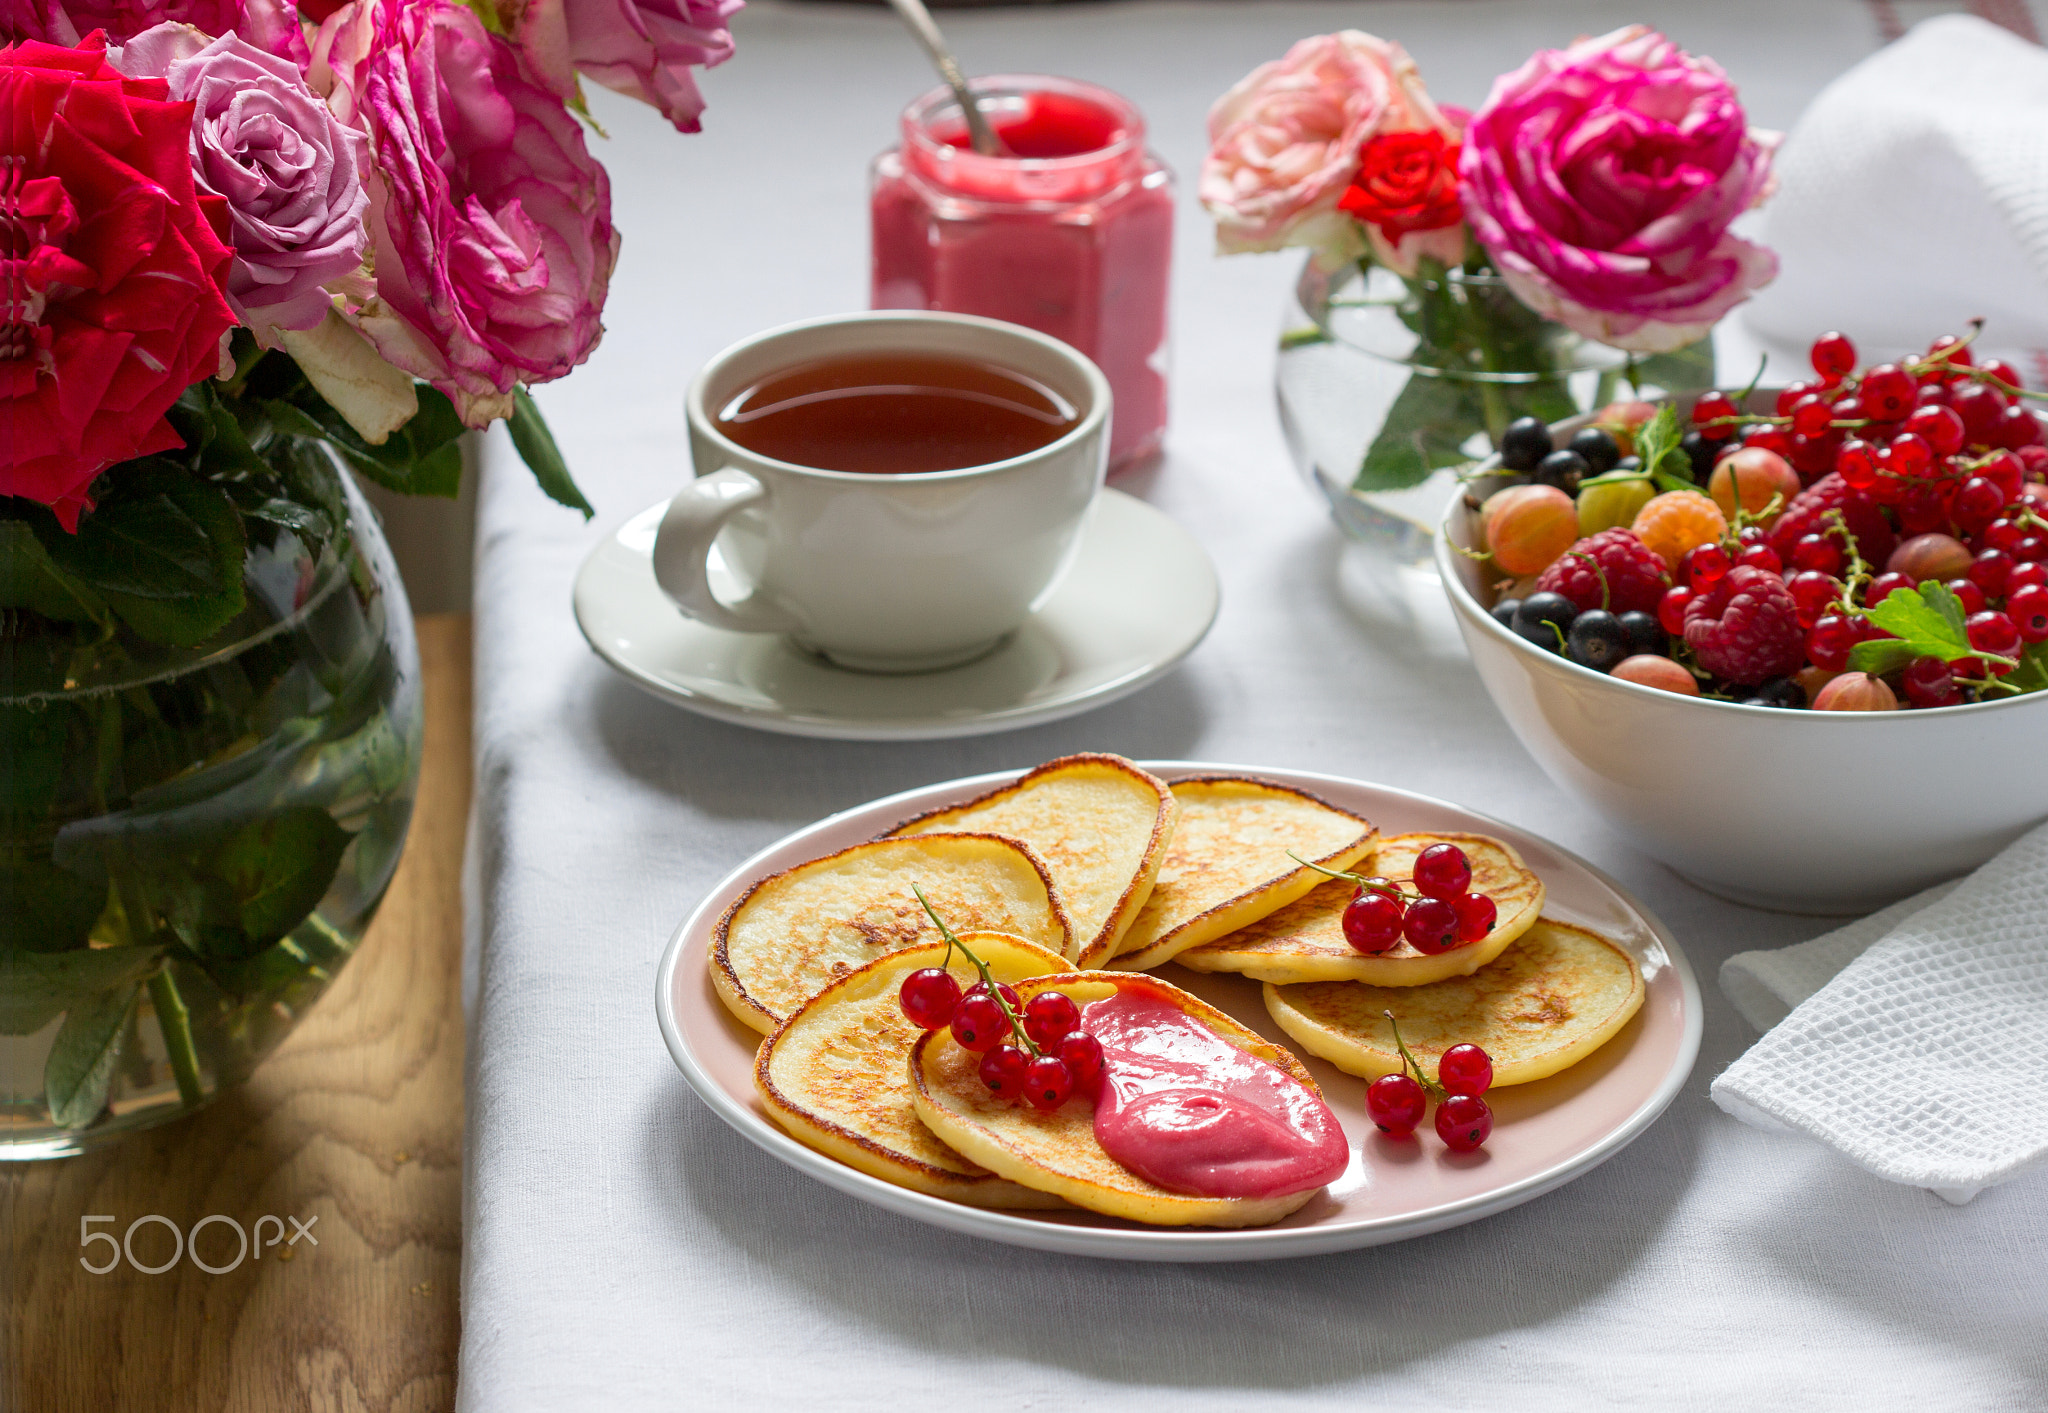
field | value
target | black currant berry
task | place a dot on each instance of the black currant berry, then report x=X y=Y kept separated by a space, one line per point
x=1525 y=442
x=1504 y=612
x=1563 y=469
x=1544 y=619
x=1780 y=692
x=1597 y=640
x=1700 y=452
x=1645 y=633
x=1597 y=447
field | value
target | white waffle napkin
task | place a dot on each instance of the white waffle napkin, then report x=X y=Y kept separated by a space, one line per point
x=1915 y=1041
x=1913 y=194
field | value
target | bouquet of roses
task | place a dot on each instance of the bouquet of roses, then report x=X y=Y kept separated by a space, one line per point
x=239 y=238
x=1592 y=192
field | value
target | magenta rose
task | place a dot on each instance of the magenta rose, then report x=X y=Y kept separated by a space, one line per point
x=270 y=25
x=1602 y=179
x=287 y=169
x=490 y=225
x=644 y=49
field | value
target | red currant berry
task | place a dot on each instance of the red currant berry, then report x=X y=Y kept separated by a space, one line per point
x=1395 y=1103
x=2007 y=472
x=1372 y=922
x=1833 y=355
x=1939 y=427
x=1003 y=1070
x=1921 y=509
x=1881 y=587
x=1761 y=557
x=1048 y=1016
x=980 y=988
x=2033 y=575
x=1463 y=1122
x=2031 y=548
x=1430 y=925
x=1671 y=609
x=1888 y=392
x=2028 y=610
x=1933 y=394
x=1465 y=1069
x=1821 y=552
x=1992 y=571
x=1977 y=503
x=1712 y=407
x=1442 y=871
x=1980 y=407
x=1993 y=632
x=1856 y=463
x=1813 y=593
x=1970 y=596
x=2003 y=535
x=928 y=997
x=2016 y=428
x=1911 y=455
x=1047 y=1083
x=1812 y=416
x=1477 y=914
x=1769 y=438
x=1703 y=567
x=1789 y=395
x=979 y=1023
x=2003 y=371
x=1828 y=642
x=1081 y=1053
x=1929 y=683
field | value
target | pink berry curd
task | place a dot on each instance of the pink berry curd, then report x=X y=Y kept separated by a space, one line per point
x=1185 y=1109
x=1069 y=231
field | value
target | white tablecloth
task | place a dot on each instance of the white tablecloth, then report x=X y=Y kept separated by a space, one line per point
x=625 y=1250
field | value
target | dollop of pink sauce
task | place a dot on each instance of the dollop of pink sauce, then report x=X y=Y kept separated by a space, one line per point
x=1186 y=1110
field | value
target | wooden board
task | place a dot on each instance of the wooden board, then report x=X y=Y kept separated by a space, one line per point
x=356 y=1119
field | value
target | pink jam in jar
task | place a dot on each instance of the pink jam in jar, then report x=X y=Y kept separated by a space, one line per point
x=1070 y=232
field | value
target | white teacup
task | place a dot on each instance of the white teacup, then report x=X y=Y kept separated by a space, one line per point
x=883 y=573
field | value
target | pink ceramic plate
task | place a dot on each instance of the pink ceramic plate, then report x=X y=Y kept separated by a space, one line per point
x=1545 y=1134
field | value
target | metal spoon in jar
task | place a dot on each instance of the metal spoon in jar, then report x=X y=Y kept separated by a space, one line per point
x=919 y=19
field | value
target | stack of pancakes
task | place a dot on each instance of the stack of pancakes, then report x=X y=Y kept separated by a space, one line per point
x=1080 y=876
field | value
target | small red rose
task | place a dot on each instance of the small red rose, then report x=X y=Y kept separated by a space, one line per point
x=1406 y=182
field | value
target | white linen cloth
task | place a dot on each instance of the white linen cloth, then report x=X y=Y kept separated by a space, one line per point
x=1921 y=1060
x=1913 y=195
x=625 y=1251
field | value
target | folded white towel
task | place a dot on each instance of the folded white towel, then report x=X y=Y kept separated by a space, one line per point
x=1924 y=1059
x=1913 y=194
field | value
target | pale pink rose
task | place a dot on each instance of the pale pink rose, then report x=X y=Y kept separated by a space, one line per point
x=1602 y=179
x=286 y=167
x=1284 y=142
x=490 y=224
x=270 y=25
x=644 y=49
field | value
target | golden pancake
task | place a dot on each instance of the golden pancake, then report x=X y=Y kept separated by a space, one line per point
x=1097 y=822
x=1227 y=864
x=1553 y=998
x=836 y=1073
x=794 y=933
x=1304 y=941
x=1057 y=1152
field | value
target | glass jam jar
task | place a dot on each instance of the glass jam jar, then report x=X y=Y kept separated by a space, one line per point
x=1069 y=232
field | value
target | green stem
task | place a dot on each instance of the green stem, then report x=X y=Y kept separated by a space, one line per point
x=176 y=1024
x=1024 y=1041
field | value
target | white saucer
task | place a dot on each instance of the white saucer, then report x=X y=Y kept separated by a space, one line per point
x=1140 y=594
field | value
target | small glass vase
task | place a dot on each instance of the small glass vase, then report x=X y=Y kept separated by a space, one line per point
x=1390 y=389
x=193 y=841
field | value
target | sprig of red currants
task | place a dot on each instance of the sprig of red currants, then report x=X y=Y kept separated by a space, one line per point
x=1464 y=1121
x=1036 y=1050
x=1440 y=913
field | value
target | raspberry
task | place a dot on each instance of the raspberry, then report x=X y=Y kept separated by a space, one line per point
x=1676 y=521
x=1746 y=627
x=1635 y=576
x=1875 y=539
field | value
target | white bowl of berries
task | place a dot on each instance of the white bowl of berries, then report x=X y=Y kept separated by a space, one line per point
x=1793 y=642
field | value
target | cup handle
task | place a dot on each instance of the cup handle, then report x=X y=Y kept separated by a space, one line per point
x=683 y=545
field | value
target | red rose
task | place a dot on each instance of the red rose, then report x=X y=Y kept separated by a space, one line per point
x=110 y=270
x=1407 y=181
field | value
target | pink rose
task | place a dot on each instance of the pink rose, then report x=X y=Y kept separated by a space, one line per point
x=270 y=25
x=644 y=49
x=286 y=167
x=490 y=225
x=1284 y=142
x=1602 y=179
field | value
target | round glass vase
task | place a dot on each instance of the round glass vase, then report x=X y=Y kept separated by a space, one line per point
x=193 y=841
x=1390 y=390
